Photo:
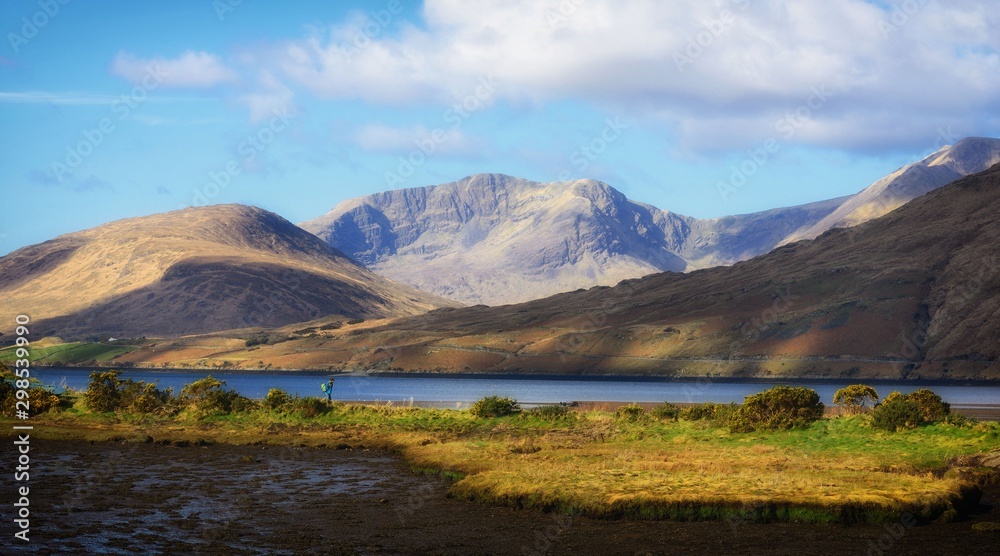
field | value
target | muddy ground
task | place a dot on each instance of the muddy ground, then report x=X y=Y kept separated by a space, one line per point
x=152 y=499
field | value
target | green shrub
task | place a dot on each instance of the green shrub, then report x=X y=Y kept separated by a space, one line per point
x=277 y=400
x=707 y=411
x=907 y=411
x=855 y=398
x=631 y=413
x=896 y=413
x=550 y=412
x=106 y=392
x=494 y=406
x=309 y=407
x=932 y=407
x=666 y=411
x=207 y=396
x=103 y=393
x=143 y=397
x=778 y=408
x=39 y=399
x=255 y=341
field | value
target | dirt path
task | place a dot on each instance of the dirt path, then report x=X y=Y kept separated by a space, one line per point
x=151 y=499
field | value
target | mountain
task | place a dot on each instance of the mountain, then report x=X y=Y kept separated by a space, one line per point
x=915 y=293
x=496 y=239
x=192 y=271
x=968 y=156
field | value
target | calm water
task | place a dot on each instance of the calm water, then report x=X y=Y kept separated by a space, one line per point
x=530 y=391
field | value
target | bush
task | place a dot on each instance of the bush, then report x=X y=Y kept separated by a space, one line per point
x=708 y=411
x=494 y=406
x=908 y=411
x=255 y=341
x=779 y=408
x=106 y=392
x=39 y=399
x=631 y=413
x=959 y=420
x=896 y=413
x=932 y=407
x=277 y=400
x=103 y=393
x=666 y=411
x=143 y=397
x=207 y=396
x=307 y=408
x=854 y=398
x=550 y=412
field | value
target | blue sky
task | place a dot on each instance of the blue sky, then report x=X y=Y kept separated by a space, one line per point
x=705 y=108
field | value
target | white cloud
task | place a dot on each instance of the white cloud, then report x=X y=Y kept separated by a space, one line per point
x=386 y=139
x=76 y=98
x=48 y=97
x=269 y=98
x=723 y=72
x=190 y=70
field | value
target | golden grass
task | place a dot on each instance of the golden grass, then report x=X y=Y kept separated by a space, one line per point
x=836 y=470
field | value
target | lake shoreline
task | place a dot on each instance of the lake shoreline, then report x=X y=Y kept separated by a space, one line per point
x=543 y=376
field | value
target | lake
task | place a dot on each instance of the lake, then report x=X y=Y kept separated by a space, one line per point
x=458 y=391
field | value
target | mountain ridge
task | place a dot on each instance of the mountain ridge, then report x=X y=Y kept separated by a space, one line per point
x=848 y=305
x=495 y=239
x=197 y=270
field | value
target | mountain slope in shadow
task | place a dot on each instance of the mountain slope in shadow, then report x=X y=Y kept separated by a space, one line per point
x=913 y=293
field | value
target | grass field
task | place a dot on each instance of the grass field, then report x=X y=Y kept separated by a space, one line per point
x=72 y=353
x=592 y=463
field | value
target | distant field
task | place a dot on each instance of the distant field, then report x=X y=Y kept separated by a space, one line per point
x=72 y=353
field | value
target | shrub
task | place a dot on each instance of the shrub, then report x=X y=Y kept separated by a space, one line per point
x=778 y=408
x=143 y=397
x=207 y=396
x=666 y=411
x=896 y=413
x=39 y=399
x=106 y=392
x=959 y=420
x=494 y=406
x=854 y=398
x=631 y=413
x=277 y=400
x=907 y=411
x=932 y=407
x=550 y=412
x=307 y=408
x=705 y=411
x=102 y=393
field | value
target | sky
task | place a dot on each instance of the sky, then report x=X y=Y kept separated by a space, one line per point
x=705 y=108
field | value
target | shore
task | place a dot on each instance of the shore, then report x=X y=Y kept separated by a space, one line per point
x=223 y=499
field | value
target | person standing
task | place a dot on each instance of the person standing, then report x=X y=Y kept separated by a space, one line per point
x=328 y=388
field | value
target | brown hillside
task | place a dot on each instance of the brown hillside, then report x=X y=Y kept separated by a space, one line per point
x=191 y=271
x=914 y=293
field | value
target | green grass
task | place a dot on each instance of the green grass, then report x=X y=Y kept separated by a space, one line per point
x=71 y=353
x=590 y=463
